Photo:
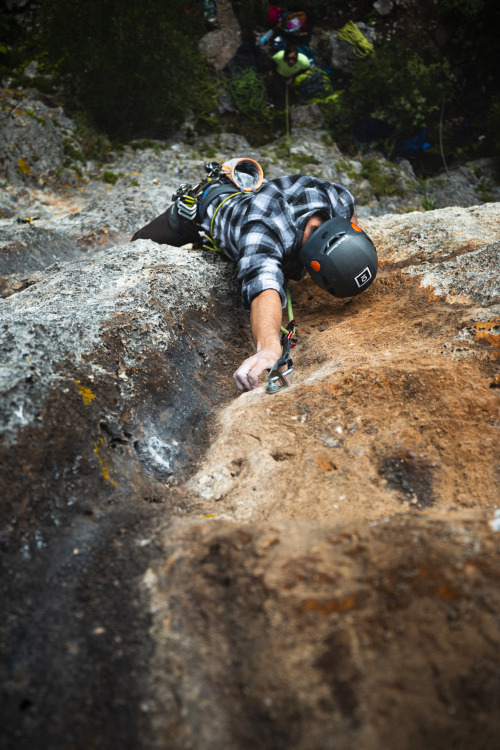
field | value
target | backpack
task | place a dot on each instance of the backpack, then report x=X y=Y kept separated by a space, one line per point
x=294 y=23
x=313 y=84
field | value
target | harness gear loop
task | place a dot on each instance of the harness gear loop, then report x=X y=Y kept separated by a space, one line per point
x=243 y=174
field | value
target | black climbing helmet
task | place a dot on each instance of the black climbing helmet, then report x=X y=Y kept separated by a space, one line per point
x=340 y=257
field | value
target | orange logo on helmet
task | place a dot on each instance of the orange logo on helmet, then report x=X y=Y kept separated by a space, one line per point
x=315 y=265
x=356 y=228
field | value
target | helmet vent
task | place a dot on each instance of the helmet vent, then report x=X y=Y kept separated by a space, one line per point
x=333 y=240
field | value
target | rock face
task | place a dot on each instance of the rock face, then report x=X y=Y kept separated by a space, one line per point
x=220 y=45
x=186 y=567
x=343 y=55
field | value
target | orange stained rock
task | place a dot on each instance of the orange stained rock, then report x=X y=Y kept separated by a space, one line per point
x=329 y=605
x=324 y=462
x=483 y=330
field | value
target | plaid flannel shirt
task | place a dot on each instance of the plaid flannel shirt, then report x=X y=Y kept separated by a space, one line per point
x=261 y=232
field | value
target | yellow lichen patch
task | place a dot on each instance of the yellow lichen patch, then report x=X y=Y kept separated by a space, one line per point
x=102 y=461
x=24 y=166
x=87 y=394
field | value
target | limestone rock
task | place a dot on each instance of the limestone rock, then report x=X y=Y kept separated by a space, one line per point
x=343 y=57
x=383 y=7
x=465 y=186
x=32 y=138
x=184 y=566
x=220 y=45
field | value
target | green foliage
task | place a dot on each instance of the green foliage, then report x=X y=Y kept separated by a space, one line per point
x=393 y=86
x=110 y=178
x=473 y=37
x=135 y=68
x=428 y=204
x=73 y=153
x=93 y=144
x=398 y=87
x=300 y=161
x=335 y=114
x=381 y=182
x=484 y=192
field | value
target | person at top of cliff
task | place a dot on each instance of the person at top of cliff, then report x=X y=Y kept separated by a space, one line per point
x=289 y=225
x=289 y=62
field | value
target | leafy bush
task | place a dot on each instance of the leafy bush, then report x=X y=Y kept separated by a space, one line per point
x=399 y=88
x=134 y=67
x=382 y=183
x=391 y=95
x=110 y=177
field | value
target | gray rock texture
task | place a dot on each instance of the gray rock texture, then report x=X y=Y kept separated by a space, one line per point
x=187 y=567
x=343 y=55
x=32 y=137
x=220 y=45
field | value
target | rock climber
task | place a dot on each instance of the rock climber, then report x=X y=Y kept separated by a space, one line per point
x=288 y=63
x=289 y=225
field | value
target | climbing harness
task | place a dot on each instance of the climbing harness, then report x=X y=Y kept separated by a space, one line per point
x=191 y=202
x=209 y=241
x=276 y=380
x=351 y=34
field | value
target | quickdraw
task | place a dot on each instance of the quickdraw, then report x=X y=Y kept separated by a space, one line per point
x=277 y=380
x=186 y=197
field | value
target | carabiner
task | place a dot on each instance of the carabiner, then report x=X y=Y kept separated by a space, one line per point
x=276 y=375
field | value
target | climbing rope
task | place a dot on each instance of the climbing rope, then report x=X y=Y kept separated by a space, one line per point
x=351 y=34
x=287 y=120
x=247 y=90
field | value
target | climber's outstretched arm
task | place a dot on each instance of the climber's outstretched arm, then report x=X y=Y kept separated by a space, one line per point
x=265 y=322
